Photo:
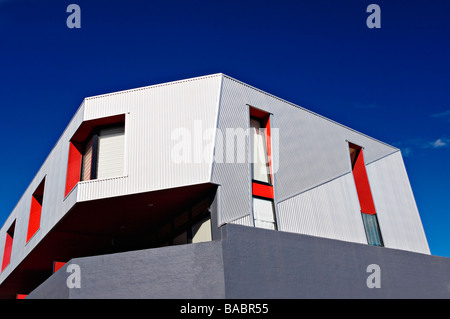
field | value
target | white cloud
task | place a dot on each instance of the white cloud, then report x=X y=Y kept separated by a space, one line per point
x=443 y=115
x=439 y=143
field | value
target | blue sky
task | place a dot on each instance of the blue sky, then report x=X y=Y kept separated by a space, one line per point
x=391 y=83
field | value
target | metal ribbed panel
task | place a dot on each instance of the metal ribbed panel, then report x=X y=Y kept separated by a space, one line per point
x=54 y=170
x=312 y=150
x=234 y=175
x=396 y=208
x=244 y=221
x=330 y=210
x=154 y=115
x=102 y=188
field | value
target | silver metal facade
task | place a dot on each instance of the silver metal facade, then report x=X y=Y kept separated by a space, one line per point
x=330 y=210
x=314 y=186
x=314 y=190
x=152 y=114
x=398 y=216
x=54 y=171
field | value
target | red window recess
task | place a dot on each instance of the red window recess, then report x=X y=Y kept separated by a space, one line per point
x=361 y=180
x=8 y=245
x=73 y=166
x=34 y=220
x=259 y=189
x=74 y=163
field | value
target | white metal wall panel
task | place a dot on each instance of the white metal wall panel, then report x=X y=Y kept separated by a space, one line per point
x=154 y=116
x=54 y=169
x=312 y=150
x=244 y=221
x=330 y=210
x=102 y=188
x=234 y=175
x=399 y=219
x=314 y=175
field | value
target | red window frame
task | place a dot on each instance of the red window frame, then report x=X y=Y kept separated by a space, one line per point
x=76 y=143
x=34 y=220
x=8 y=245
x=361 y=180
x=261 y=189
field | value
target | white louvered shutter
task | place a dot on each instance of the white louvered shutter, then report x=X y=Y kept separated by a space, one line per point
x=111 y=157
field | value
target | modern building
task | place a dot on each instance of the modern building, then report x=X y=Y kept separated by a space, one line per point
x=212 y=184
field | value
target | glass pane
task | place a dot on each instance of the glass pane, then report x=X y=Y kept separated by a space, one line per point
x=264 y=213
x=260 y=162
x=372 y=229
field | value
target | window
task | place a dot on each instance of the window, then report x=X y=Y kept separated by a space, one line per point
x=34 y=220
x=8 y=245
x=261 y=170
x=260 y=162
x=366 y=203
x=103 y=154
x=96 y=151
x=372 y=229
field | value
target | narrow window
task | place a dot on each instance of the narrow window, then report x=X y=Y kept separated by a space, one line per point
x=8 y=245
x=86 y=168
x=366 y=203
x=34 y=220
x=261 y=170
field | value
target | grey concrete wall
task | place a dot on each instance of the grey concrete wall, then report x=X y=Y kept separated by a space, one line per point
x=267 y=264
x=255 y=263
x=188 y=271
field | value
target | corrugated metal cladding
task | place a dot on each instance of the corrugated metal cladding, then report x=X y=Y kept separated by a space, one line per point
x=316 y=194
x=313 y=186
x=156 y=119
x=311 y=150
x=398 y=216
x=54 y=170
x=244 y=221
x=330 y=210
x=152 y=115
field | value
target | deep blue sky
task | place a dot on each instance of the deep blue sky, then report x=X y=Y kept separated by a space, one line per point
x=391 y=83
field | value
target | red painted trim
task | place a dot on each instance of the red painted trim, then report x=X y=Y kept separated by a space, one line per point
x=7 y=251
x=269 y=147
x=35 y=217
x=363 y=186
x=86 y=127
x=21 y=296
x=265 y=119
x=258 y=113
x=262 y=190
x=73 y=167
x=57 y=265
